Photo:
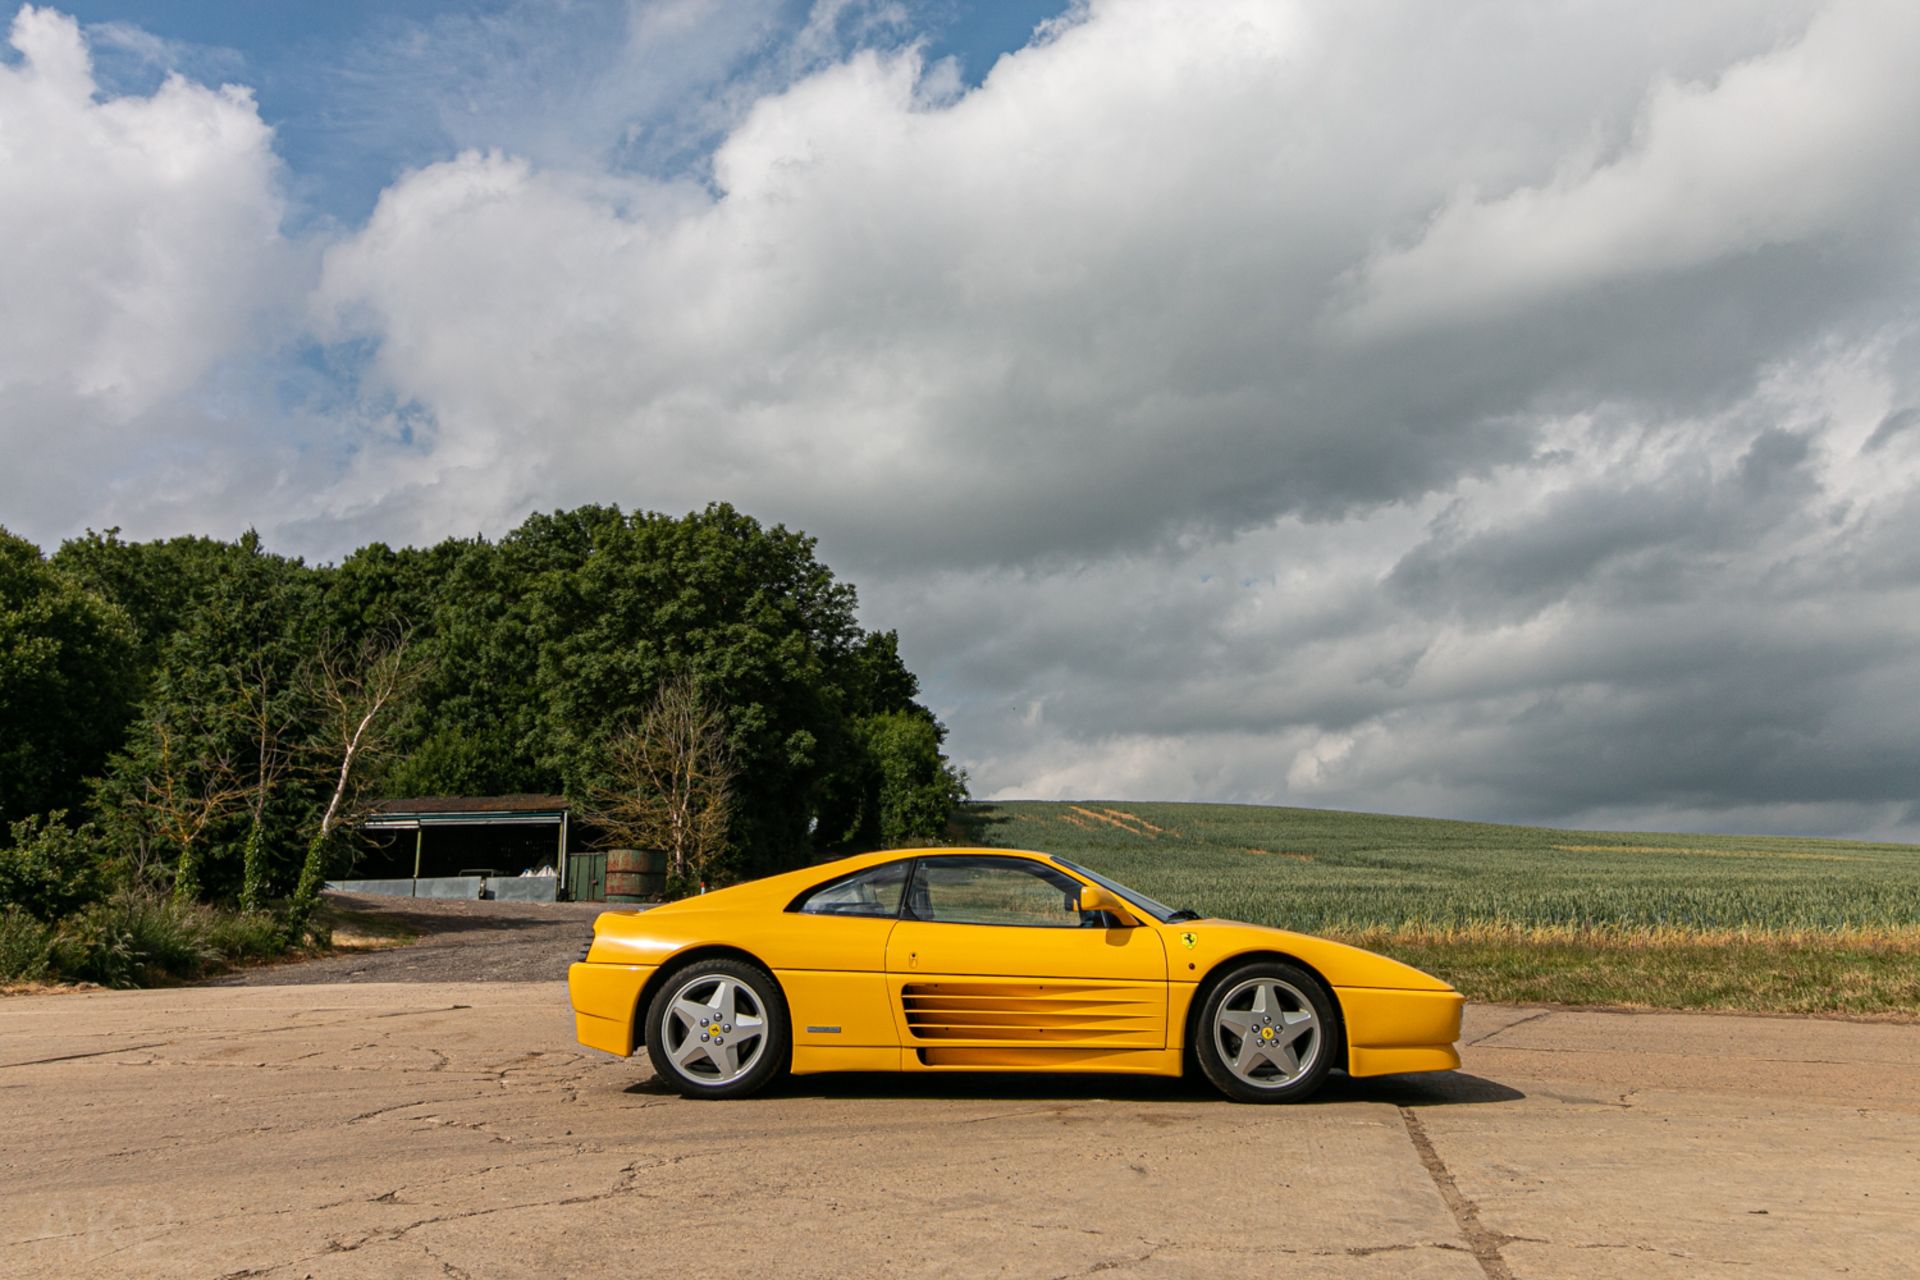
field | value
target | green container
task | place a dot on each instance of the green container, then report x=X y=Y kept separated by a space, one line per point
x=587 y=877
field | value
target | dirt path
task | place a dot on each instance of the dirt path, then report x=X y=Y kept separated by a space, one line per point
x=453 y=1129
x=459 y=942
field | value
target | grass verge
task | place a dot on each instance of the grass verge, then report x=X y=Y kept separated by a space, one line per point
x=347 y=930
x=1858 y=975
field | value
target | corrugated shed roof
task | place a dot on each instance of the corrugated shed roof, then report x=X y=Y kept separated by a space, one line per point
x=472 y=804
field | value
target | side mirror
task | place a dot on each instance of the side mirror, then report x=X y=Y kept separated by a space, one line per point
x=1094 y=898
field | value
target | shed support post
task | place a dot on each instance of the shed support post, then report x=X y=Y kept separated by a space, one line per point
x=419 y=842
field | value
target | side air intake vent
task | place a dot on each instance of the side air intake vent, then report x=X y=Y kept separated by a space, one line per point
x=1029 y=1012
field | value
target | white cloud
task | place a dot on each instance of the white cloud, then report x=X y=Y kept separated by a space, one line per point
x=1581 y=504
x=1809 y=139
x=142 y=248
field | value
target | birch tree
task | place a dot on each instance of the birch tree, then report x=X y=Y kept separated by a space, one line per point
x=357 y=690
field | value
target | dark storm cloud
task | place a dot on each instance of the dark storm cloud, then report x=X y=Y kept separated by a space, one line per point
x=1616 y=536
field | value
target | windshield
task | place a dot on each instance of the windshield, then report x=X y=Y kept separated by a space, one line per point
x=1160 y=911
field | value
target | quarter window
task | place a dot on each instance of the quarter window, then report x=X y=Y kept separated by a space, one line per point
x=1005 y=891
x=873 y=892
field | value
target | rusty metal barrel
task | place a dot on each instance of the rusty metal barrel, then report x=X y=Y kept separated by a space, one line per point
x=636 y=875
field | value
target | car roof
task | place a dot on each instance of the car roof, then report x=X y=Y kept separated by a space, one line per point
x=791 y=882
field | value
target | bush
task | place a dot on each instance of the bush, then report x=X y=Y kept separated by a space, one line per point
x=26 y=947
x=238 y=936
x=133 y=939
x=50 y=870
x=139 y=938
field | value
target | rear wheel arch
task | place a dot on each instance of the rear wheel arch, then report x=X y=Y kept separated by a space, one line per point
x=679 y=961
x=1222 y=968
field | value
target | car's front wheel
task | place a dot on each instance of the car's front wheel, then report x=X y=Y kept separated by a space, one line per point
x=718 y=1029
x=1265 y=1033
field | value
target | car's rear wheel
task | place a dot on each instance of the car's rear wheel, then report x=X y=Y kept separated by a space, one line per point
x=718 y=1029
x=1265 y=1033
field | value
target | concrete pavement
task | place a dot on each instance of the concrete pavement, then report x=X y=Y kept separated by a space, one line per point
x=455 y=1130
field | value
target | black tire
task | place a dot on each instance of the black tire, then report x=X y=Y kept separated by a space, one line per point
x=749 y=1029
x=1290 y=1056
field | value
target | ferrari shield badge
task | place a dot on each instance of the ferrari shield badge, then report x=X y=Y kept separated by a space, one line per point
x=1189 y=939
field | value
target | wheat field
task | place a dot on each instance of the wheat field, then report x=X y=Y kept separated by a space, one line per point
x=1525 y=913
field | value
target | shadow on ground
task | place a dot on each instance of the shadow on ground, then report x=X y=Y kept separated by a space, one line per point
x=1436 y=1089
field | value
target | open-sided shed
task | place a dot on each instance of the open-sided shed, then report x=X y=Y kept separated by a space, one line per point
x=460 y=846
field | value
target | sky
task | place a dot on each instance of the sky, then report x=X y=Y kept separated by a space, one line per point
x=1500 y=410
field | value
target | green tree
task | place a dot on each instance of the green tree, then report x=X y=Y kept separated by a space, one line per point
x=67 y=682
x=531 y=653
x=156 y=584
x=49 y=869
x=916 y=789
x=613 y=605
x=474 y=727
x=201 y=784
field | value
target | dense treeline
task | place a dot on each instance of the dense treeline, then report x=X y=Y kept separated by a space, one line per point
x=196 y=718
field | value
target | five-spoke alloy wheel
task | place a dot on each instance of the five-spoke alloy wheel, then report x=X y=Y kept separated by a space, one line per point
x=718 y=1029
x=1265 y=1033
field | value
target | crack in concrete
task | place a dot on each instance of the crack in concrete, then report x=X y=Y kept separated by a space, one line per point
x=1584 y=1052
x=390 y=1197
x=1483 y=1242
x=1520 y=1022
x=1370 y=1250
x=381 y=1111
x=92 y=1053
x=446 y=1268
x=1112 y=1264
x=1056 y=1110
x=1665 y=1253
x=1355 y=1251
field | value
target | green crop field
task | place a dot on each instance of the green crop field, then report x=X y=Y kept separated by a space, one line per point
x=1742 y=922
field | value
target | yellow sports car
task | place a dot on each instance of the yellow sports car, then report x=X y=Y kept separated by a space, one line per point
x=991 y=960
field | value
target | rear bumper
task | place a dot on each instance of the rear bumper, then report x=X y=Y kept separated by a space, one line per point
x=1389 y=1032
x=605 y=1004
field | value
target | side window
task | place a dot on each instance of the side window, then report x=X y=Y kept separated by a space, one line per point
x=873 y=892
x=1007 y=891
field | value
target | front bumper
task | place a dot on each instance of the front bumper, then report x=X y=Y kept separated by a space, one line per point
x=606 y=1000
x=1389 y=1031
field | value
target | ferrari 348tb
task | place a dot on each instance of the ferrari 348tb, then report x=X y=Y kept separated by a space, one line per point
x=991 y=960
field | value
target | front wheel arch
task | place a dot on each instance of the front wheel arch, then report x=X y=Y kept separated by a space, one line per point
x=678 y=961
x=1212 y=978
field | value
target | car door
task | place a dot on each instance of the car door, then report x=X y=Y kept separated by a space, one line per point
x=992 y=951
x=829 y=949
